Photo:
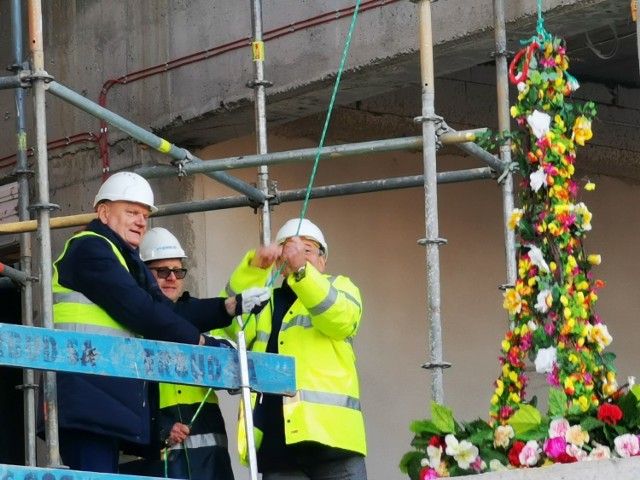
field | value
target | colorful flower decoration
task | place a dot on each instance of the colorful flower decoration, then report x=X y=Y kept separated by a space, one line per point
x=553 y=324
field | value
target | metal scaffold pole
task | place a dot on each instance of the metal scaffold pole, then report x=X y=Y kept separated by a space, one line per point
x=432 y=241
x=502 y=82
x=259 y=85
x=43 y=207
x=29 y=384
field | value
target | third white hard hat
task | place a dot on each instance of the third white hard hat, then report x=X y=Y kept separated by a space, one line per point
x=126 y=187
x=159 y=244
x=307 y=229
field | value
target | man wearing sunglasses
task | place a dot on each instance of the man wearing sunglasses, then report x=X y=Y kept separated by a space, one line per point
x=101 y=286
x=202 y=450
x=319 y=433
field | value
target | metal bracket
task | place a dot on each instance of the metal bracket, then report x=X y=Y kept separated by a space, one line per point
x=506 y=286
x=44 y=206
x=502 y=53
x=429 y=118
x=179 y=164
x=434 y=365
x=274 y=194
x=507 y=170
x=259 y=83
x=431 y=241
x=28 y=386
x=30 y=75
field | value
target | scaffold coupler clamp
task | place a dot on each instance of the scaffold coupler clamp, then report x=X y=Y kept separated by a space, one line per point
x=508 y=169
x=30 y=76
x=180 y=164
x=434 y=365
x=432 y=241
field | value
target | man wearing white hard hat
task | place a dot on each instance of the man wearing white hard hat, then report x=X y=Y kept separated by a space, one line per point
x=100 y=285
x=319 y=433
x=202 y=450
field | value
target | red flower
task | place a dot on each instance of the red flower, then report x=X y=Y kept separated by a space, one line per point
x=514 y=453
x=565 y=458
x=436 y=441
x=428 y=474
x=609 y=413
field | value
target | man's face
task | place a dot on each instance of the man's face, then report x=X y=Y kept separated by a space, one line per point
x=312 y=254
x=171 y=286
x=127 y=219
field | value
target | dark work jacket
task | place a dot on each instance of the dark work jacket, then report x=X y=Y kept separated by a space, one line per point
x=119 y=407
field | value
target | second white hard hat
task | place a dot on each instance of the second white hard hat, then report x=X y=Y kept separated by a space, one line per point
x=126 y=187
x=159 y=244
x=307 y=229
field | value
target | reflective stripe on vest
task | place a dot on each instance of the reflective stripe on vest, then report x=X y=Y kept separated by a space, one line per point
x=73 y=311
x=98 y=329
x=203 y=440
x=325 y=398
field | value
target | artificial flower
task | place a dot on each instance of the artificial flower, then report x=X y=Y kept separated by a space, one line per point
x=627 y=445
x=582 y=130
x=609 y=413
x=463 y=452
x=539 y=123
x=530 y=454
x=514 y=453
x=538 y=179
x=594 y=259
x=536 y=257
x=544 y=300
x=600 y=334
x=601 y=452
x=502 y=436
x=558 y=428
x=546 y=359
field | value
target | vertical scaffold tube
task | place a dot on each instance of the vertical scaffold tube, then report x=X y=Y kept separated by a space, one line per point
x=259 y=88
x=429 y=120
x=502 y=82
x=28 y=375
x=43 y=214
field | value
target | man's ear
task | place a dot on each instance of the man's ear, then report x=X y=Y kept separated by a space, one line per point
x=103 y=212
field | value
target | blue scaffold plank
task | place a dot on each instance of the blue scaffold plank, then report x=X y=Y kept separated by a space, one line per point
x=15 y=472
x=46 y=349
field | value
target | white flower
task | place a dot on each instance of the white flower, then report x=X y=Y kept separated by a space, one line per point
x=463 y=452
x=532 y=325
x=541 y=301
x=599 y=333
x=530 y=453
x=601 y=452
x=434 y=453
x=576 y=436
x=496 y=466
x=521 y=86
x=573 y=84
x=627 y=445
x=545 y=360
x=535 y=255
x=558 y=428
x=576 y=452
x=503 y=435
x=538 y=179
x=539 y=123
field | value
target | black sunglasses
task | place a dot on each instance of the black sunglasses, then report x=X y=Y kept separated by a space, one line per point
x=165 y=272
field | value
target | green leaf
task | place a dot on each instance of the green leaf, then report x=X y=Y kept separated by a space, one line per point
x=557 y=402
x=442 y=418
x=525 y=419
x=590 y=423
x=628 y=403
x=636 y=391
x=423 y=427
x=410 y=464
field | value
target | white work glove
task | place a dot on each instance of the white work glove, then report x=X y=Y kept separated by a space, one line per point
x=252 y=300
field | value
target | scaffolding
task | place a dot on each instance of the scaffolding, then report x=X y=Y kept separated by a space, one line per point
x=435 y=133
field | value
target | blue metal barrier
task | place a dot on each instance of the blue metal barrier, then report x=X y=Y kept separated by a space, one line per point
x=45 y=349
x=14 y=472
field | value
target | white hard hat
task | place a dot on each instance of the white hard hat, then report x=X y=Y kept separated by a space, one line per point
x=159 y=244
x=126 y=187
x=307 y=229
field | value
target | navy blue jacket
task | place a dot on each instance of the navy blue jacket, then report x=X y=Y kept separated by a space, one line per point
x=119 y=407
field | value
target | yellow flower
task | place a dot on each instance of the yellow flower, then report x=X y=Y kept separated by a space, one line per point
x=600 y=334
x=499 y=387
x=514 y=111
x=516 y=216
x=494 y=400
x=582 y=130
x=514 y=397
x=590 y=187
x=512 y=301
x=594 y=259
x=506 y=346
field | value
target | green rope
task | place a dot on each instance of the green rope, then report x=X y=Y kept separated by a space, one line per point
x=542 y=34
x=329 y=111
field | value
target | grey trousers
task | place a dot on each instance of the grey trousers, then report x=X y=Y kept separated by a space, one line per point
x=352 y=468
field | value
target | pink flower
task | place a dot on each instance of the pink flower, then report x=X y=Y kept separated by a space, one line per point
x=530 y=454
x=558 y=428
x=428 y=473
x=554 y=447
x=627 y=445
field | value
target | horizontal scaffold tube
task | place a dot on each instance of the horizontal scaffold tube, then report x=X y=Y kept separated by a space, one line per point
x=12 y=82
x=309 y=154
x=148 y=138
x=224 y=203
